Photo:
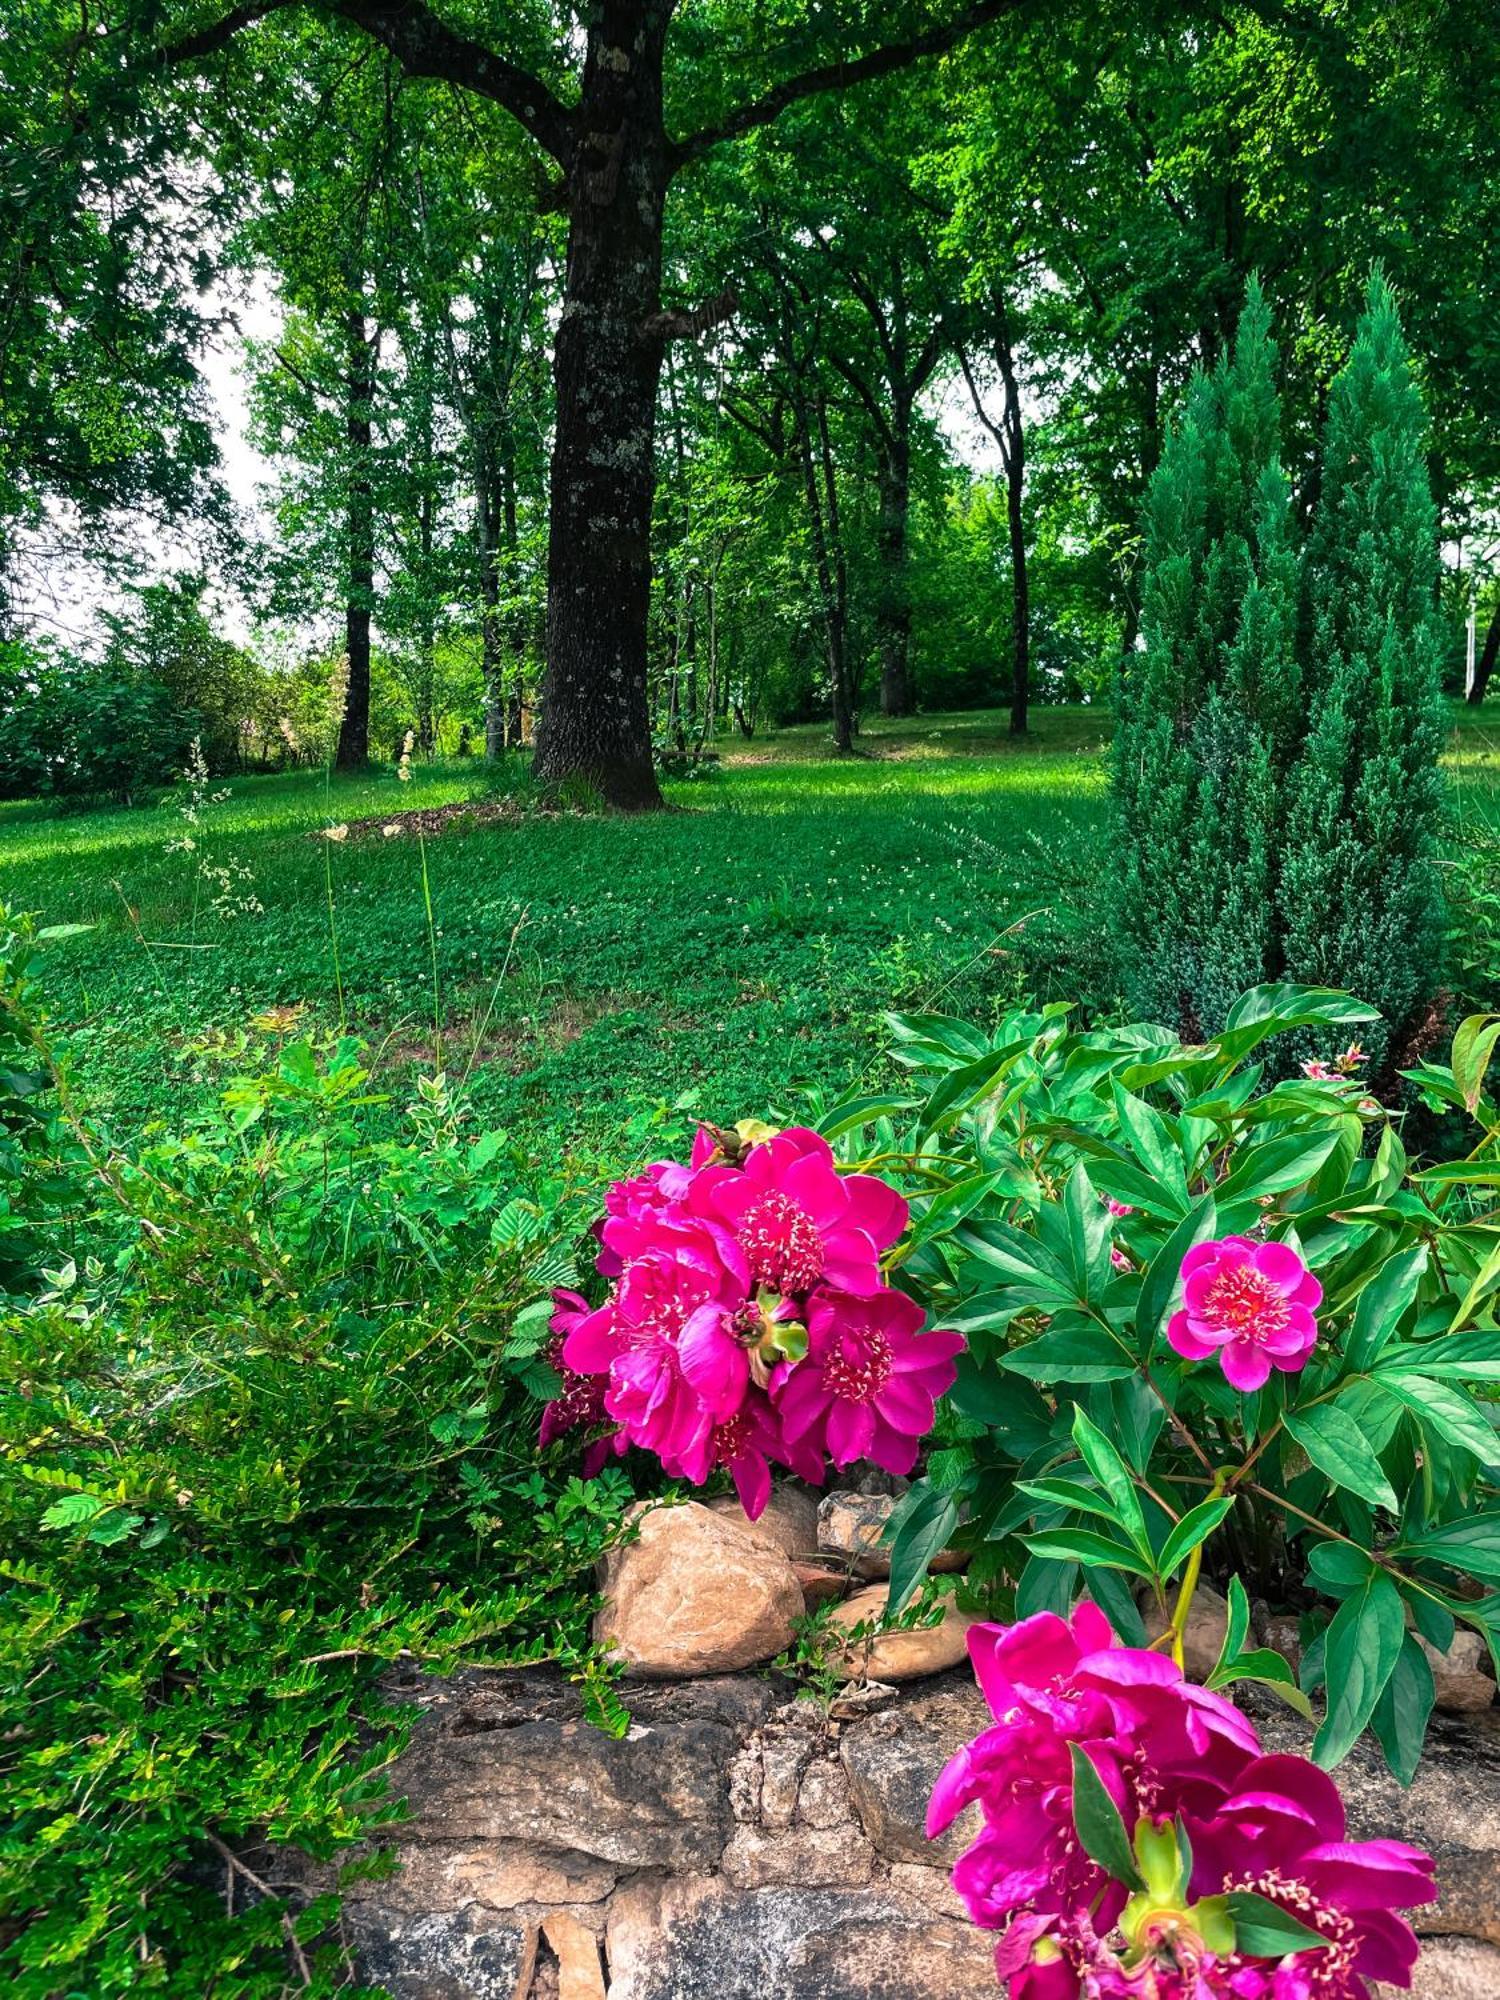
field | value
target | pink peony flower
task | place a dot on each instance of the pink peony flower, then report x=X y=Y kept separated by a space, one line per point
x=1167 y=1752
x=869 y=1385
x=797 y=1220
x=746 y=1323
x=1250 y=1303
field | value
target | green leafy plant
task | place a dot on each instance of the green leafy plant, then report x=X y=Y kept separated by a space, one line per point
x=267 y=1429
x=1065 y=1177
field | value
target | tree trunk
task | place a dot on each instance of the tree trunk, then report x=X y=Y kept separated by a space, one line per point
x=1015 y=495
x=595 y=722
x=1485 y=665
x=354 y=731
x=492 y=657
x=893 y=621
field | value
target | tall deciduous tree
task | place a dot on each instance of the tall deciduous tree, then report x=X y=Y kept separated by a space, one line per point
x=616 y=159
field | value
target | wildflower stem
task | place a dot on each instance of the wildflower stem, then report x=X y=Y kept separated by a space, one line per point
x=333 y=931
x=437 y=1004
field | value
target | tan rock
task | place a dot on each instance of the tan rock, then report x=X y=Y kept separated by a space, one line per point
x=850 y=1531
x=789 y=1523
x=820 y=1583
x=899 y=1655
x=1460 y=1685
x=824 y=1800
x=492 y=1874
x=1203 y=1641
x=696 y=1593
x=690 y=1937
x=801 y=1857
x=580 y=1976
x=1450 y=1968
x=850 y=1526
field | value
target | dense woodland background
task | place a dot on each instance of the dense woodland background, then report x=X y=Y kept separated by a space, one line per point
x=918 y=340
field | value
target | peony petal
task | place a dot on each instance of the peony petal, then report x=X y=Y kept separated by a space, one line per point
x=851 y=1431
x=1246 y=1366
x=1280 y=1263
x=713 y=1363
x=1184 y=1341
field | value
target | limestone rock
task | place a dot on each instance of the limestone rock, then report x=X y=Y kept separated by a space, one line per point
x=789 y=1523
x=1460 y=1685
x=509 y=1758
x=696 y=1592
x=898 y=1655
x=824 y=1799
x=893 y=1760
x=850 y=1527
x=820 y=1583
x=798 y=1856
x=449 y=1955
x=580 y=1976
x=1203 y=1641
x=700 y=1939
x=1452 y=1808
x=1450 y=1969
x=490 y=1874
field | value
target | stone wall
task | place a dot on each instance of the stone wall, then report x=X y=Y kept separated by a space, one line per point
x=739 y=1844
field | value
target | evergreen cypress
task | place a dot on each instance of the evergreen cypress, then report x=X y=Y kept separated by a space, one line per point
x=1277 y=790
x=1361 y=904
x=1208 y=712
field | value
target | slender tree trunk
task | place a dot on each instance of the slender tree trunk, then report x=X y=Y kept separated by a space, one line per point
x=894 y=613
x=492 y=657
x=1484 y=666
x=1015 y=496
x=354 y=731
x=595 y=722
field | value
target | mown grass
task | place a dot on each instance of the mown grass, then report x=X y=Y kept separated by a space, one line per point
x=734 y=953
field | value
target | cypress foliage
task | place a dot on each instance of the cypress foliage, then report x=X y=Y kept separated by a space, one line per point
x=1276 y=784
x=1360 y=896
x=1207 y=713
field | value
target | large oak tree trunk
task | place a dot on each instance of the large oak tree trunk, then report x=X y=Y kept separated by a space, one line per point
x=595 y=723
x=354 y=731
x=894 y=613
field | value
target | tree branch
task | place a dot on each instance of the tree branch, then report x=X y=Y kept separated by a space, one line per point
x=425 y=47
x=764 y=110
x=691 y=323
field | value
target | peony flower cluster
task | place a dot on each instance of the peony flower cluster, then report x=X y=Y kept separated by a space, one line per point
x=747 y=1323
x=1210 y=1818
x=1249 y=1303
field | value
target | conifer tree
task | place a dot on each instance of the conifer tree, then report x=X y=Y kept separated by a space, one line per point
x=1208 y=712
x=1360 y=897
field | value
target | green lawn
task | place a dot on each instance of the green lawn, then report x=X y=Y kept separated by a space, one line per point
x=589 y=968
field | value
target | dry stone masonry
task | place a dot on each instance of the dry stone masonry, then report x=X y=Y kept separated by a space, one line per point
x=741 y=1843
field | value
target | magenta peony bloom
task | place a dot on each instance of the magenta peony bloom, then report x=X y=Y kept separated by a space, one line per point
x=1167 y=1752
x=871 y=1378
x=1250 y=1303
x=798 y=1221
x=746 y=1324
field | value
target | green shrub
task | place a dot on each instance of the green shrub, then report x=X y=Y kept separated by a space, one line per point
x=1275 y=765
x=1208 y=712
x=77 y=728
x=1360 y=896
x=267 y=1426
x=1079 y=1452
